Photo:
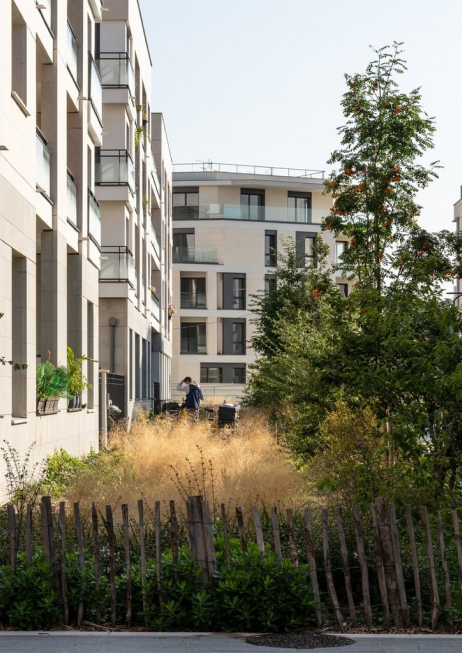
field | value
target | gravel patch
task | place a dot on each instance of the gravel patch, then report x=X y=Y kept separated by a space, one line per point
x=299 y=641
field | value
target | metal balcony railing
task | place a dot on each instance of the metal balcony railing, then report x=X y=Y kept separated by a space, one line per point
x=117 y=265
x=95 y=87
x=72 y=52
x=194 y=255
x=114 y=168
x=116 y=71
x=71 y=206
x=193 y=300
x=42 y=178
x=238 y=168
x=94 y=218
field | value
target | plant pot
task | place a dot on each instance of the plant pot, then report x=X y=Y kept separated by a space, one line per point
x=72 y=405
x=51 y=405
x=41 y=403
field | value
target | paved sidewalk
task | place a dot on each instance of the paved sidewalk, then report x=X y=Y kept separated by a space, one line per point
x=56 y=642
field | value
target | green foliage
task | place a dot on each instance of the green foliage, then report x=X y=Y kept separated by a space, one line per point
x=52 y=381
x=77 y=382
x=60 y=469
x=141 y=133
x=27 y=598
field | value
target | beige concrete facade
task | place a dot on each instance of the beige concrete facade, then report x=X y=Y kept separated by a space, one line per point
x=133 y=187
x=50 y=127
x=226 y=238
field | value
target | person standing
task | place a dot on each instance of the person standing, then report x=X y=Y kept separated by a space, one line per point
x=194 y=396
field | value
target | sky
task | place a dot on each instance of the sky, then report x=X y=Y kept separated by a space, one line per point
x=260 y=81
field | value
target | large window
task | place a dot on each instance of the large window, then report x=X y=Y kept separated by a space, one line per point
x=193 y=293
x=183 y=245
x=18 y=55
x=211 y=374
x=252 y=203
x=238 y=338
x=343 y=289
x=233 y=291
x=185 y=204
x=270 y=283
x=271 y=244
x=299 y=207
x=239 y=374
x=194 y=338
x=340 y=248
x=306 y=248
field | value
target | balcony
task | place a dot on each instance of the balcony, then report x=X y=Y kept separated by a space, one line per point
x=71 y=206
x=155 y=306
x=95 y=90
x=117 y=265
x=116 y=71
x=42 y=176
x=240 y=169
x=193 y=300
x=94 y=219
x=194 y=255
x=114 y=168
x=155 y=241
x=45 y=10
x=250 y=213
x=72 y=52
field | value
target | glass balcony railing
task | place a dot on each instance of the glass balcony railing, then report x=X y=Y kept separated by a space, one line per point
x=194 y=255
x=155 y=241
x=42 y=177
x=95 y=90
x=117 y=265
x=71 y=199
x=114 y=168
x=193 y=300
x=251 y=213
x=143 y=291
x=45 y=10
x=94 y=218
x=154 y=172
x=155 y=306
x=116 y=71
x=72 y=52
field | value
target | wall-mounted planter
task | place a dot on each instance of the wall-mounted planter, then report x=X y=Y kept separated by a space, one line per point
x=47 y=406
x=75 y=403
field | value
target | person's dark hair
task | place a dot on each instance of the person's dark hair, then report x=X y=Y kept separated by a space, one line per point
x=187 y=379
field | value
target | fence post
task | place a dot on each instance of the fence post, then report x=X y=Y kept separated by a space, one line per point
x=158 y=550
x=276 y=534
x=258 y=530
x=379 y=563
x=431 y=567
x=389 y=565
x=196 y=535
x=225 y=533
x=110 y=537
x=241 y=528
x=363 y=566
x=126 y=526
x=143 y=560
x=29 y=536
x=62 y=529
x=208 y=539
x=292 y=543
x=174 y=532
x=95 y=534
x=447 y=580
x=311 y=564
x=415 y=564
x=13 y=536
x=398 y=564
x=328 y=567
x=78 y=526
x=346 y=567
x=455 y=521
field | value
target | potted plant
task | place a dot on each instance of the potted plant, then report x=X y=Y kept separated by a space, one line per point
x=171 y=311
x=77 y=382
x=52 y=383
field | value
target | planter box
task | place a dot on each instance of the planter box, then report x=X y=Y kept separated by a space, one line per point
x=51 y=406
x=41 y=403
x=75 y=403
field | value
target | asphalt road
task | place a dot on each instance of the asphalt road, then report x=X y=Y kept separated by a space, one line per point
x=205 y=643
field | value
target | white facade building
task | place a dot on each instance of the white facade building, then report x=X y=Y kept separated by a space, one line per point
x=228 y=221
x=133 y=187
x=50 y=223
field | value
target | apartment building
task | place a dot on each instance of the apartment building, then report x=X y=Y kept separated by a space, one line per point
x=229 y=222
x=133 y=188
x=50 y=222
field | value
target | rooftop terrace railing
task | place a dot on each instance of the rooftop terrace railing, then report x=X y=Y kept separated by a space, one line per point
x=240 y=169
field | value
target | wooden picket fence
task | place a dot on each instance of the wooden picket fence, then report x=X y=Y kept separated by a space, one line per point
x=342 y=593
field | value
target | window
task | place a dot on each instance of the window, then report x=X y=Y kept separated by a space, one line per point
x=306 y=247
x=239 y=374
x=340 y=248
x=252 y=203
x=299 y=207
x=193 y=293
x=233 y=336
x=18 y=55
x=193 y=338
x=211 y=374
x=185 y=204
x=270 y=283
x=233 y=291
x=238 y=293
x=343 y=289
x=183 y=245
x=271 y=246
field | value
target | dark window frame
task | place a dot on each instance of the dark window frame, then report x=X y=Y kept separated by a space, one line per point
x=205 y=367
x=291 y=194
x=271 y=251
x=185 y=326
x=185 y=211
x=183 y=303
x=248 y=211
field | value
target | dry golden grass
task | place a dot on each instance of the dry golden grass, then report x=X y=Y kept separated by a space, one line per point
x=167 y=459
